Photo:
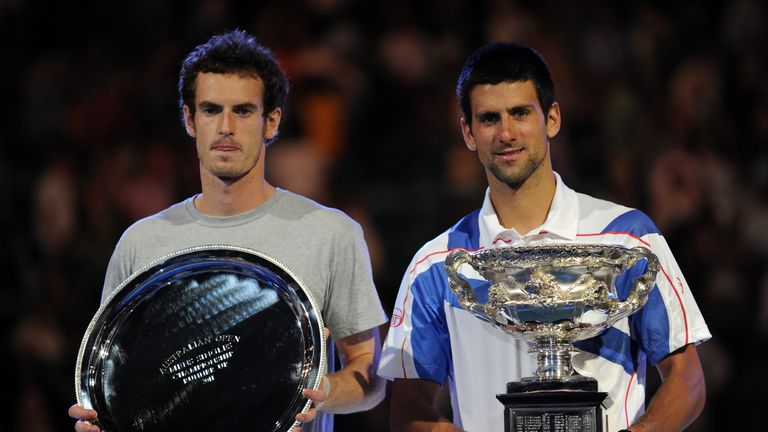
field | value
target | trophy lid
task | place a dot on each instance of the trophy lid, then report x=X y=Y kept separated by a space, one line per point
x=208 y=338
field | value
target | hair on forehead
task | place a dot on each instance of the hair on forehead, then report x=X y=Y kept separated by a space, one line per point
x=504 y=62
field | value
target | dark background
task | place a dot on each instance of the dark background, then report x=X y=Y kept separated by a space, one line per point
x=663 y=103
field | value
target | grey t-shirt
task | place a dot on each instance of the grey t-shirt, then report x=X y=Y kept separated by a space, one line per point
x=323 y=247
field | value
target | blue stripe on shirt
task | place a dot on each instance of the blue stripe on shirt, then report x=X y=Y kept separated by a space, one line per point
x=650 y=325
x=430 y=339
x=466 y=233
x=615 y=346
x=635 y=222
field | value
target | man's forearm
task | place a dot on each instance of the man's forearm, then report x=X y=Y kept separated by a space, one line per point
x=671 y=413
x=356 y=387
x=681 y=396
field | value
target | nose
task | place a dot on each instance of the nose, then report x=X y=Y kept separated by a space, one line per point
x=226 y=125
x=507 y=132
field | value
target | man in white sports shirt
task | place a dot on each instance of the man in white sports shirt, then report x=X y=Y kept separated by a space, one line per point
x=509 y=117
x=232 y=93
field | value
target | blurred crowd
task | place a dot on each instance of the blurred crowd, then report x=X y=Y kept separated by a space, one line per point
x=664 y=106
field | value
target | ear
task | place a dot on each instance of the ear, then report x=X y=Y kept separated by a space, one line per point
x=469 y=139
x=272 y=123
x=189 y=122
x=553 y=120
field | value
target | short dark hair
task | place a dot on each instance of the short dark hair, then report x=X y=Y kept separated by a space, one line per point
x=504 y=62
x=235 y=52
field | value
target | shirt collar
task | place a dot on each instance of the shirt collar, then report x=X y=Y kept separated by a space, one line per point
x=561 y=222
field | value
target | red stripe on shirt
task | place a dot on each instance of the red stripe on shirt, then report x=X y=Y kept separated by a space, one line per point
x=626 y=399
x=402 y=357
x=441 y=252
x=616 y=233
x=679 y=300
x=405 y=339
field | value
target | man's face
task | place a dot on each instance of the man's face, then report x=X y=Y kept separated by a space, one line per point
x=509 y=131
x=229 y=125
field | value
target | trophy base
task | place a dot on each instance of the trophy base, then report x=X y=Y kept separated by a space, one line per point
x=573 y=383
x=554 y=406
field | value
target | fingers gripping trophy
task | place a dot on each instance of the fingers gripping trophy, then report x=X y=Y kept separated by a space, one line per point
x=552 y=296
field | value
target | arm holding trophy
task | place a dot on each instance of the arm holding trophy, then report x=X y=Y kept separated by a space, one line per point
x=356 y=387
x=681 y=396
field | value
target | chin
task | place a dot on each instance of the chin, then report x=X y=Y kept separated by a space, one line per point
x=229 y=176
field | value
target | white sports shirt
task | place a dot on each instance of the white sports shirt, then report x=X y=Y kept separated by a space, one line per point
x=432 y=337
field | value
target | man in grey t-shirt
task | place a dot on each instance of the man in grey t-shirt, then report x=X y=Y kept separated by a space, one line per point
x=232 y=93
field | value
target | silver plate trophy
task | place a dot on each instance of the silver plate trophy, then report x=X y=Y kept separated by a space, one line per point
x=552 y=296
x=208 y=338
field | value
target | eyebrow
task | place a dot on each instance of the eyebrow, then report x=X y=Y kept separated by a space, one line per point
x=208 y=104
x=248 y=105
x=508 y=110
x=521 y=106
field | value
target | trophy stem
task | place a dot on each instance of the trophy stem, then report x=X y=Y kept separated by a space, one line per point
x=557 y=398
x=553 y=357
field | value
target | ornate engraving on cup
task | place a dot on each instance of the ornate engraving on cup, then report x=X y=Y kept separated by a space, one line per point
x=553 y=295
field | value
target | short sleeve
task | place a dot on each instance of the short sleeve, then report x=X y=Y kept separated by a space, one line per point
x=352 y=304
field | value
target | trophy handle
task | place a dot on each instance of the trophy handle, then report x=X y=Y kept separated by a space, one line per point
x=643 y=285
x=460 y=286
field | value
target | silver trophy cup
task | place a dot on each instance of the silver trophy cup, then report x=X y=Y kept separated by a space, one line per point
x=552 y=296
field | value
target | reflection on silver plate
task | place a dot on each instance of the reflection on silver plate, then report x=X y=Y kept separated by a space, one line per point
x=208 y=338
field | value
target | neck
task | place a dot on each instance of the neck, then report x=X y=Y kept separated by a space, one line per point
x=229 y=197
x=527 y=206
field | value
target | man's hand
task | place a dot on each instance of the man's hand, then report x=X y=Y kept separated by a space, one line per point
x=355 y=387
x=317 y=397
x=84 y=419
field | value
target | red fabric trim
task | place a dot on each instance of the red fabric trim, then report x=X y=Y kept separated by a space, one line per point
x=616 y=233
x=680 y=301
x=441 y=252
x=626 y=400
x=402 y=357
x=405 y=339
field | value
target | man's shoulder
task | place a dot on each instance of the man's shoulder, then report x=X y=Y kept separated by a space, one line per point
x=436 y=250
x=592 y=203
x=295 y=206
x=604 y=215
x=161 y=220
